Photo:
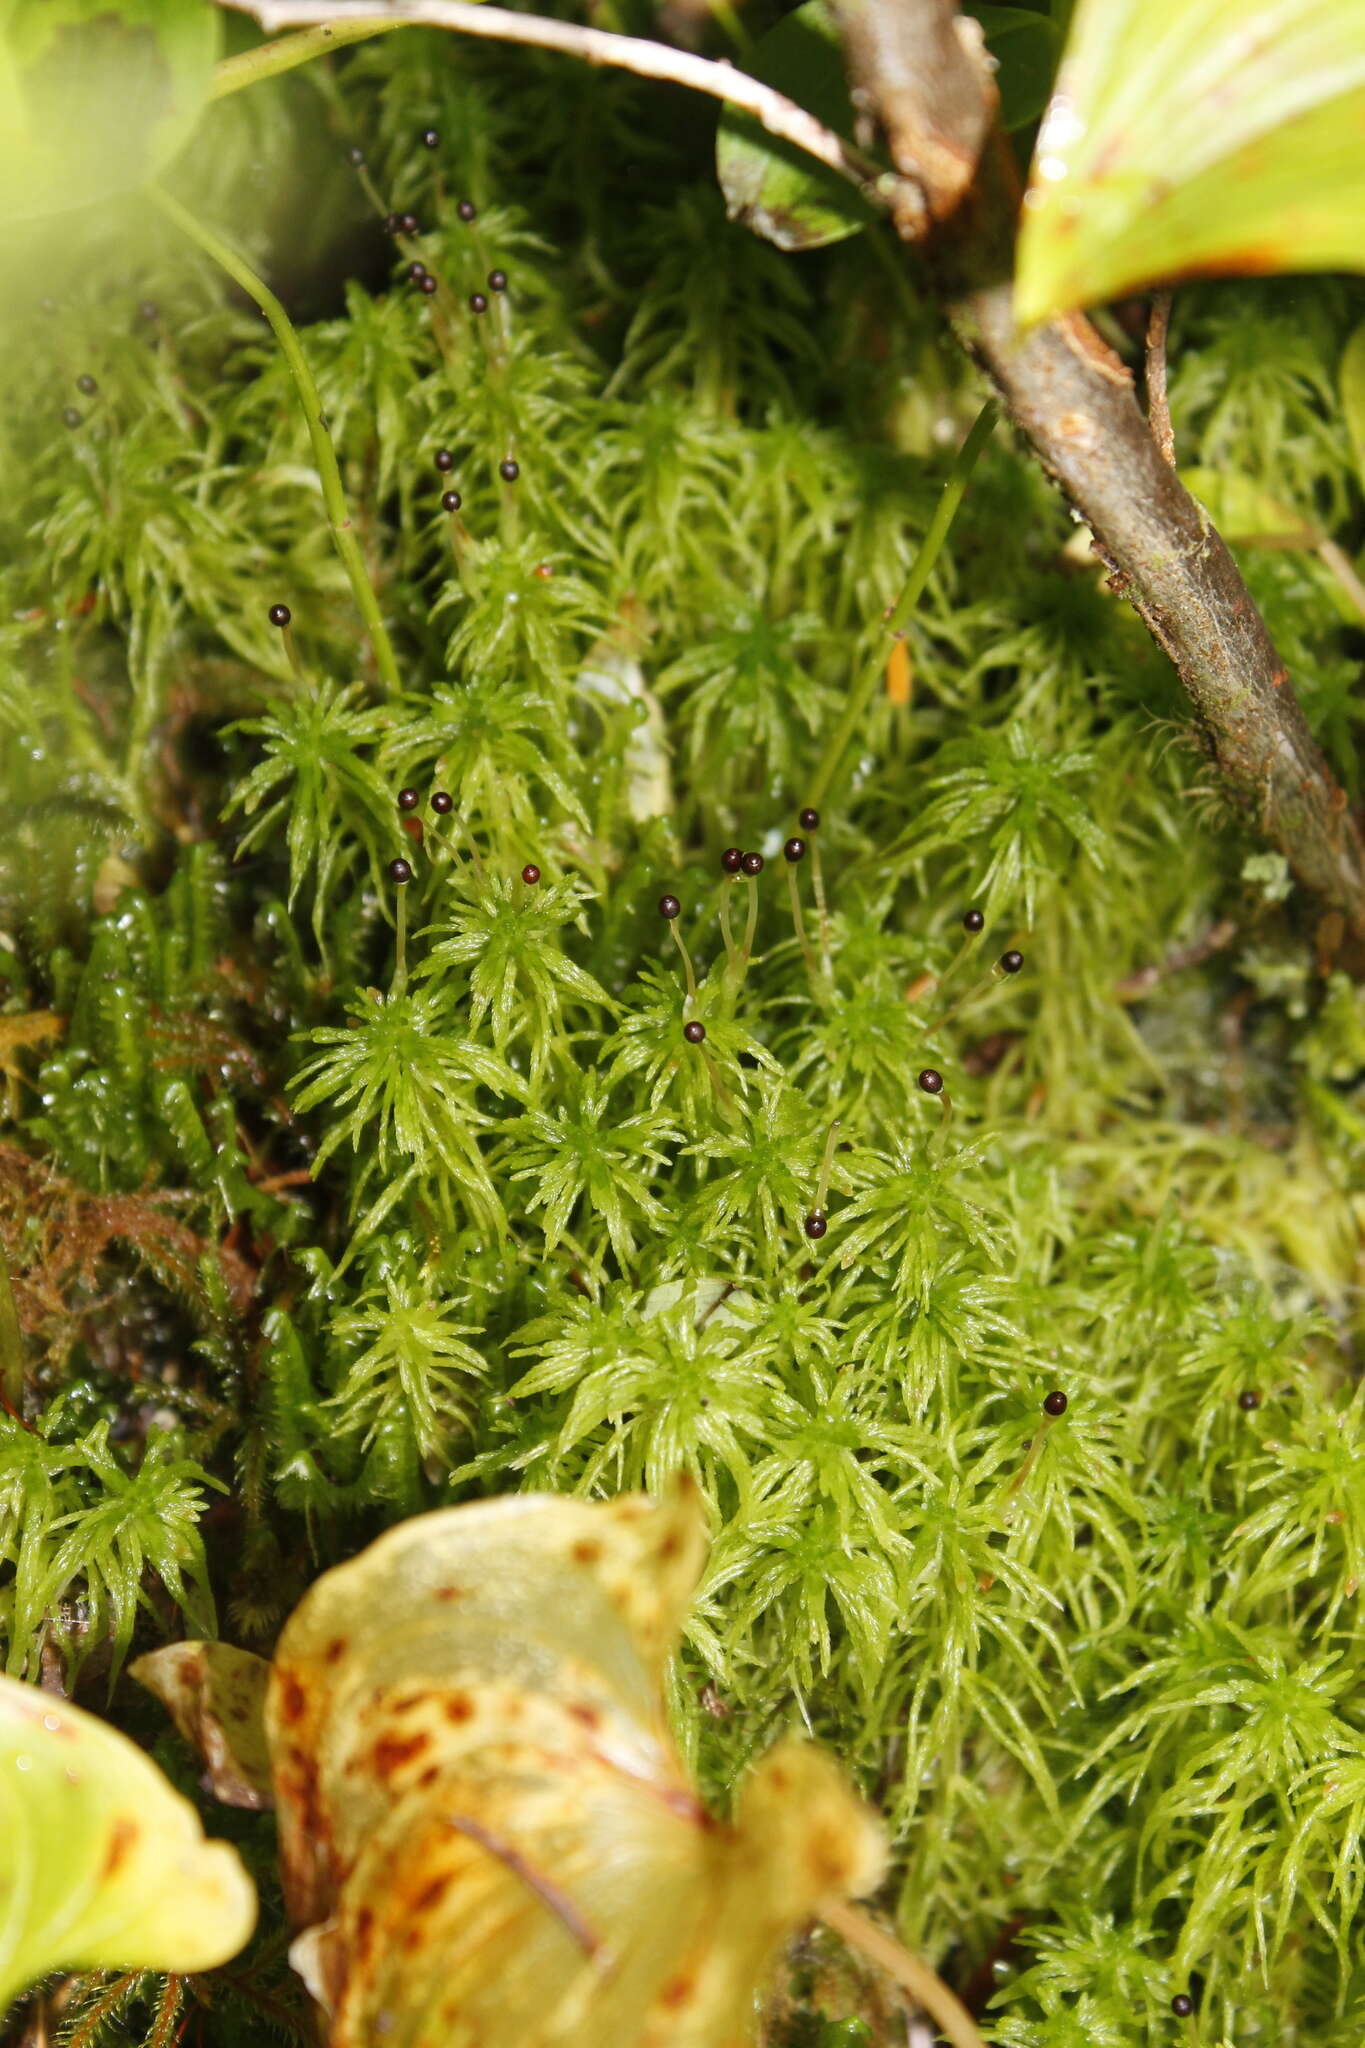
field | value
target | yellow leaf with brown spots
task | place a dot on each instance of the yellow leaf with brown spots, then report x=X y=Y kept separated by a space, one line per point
x=216 y=1697
x=102 y=1864
x=487 y=1833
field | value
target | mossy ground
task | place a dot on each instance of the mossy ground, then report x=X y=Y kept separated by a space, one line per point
x=305 y=1240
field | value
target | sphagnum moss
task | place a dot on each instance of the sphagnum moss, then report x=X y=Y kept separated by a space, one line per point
x=367 y=1167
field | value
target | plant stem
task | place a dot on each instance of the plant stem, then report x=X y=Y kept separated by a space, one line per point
x=269 y=60
x=921 y=569
x=779 y=115
x=324 y=455
x=929 y=1992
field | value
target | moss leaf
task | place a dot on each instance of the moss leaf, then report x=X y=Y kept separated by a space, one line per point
x=1188 y=141
x=104 y=1865
x=485 y=1826
x=1353 y=396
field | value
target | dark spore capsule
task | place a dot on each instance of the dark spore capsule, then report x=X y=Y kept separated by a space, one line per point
x=508 y=470
x=694 y=1032
x=444 y=460
x=1055 y=1403
x=442 y=802
x=451 y=501
x=400 y=870
x=279 y=615
x=497 y=280
x=431 y=138
x=732 y=860
x=87 y=384
x=1012 y=961
x=669 y=906
x=973 y=921
x=530 y=874
x=409 y=223
x=815 y=1226
x=1248 y=1400
x=417 y=270
x=428 y=285
x=408 y=799
x=393 y=223
x=467 y=210
x=70 y=416
x=1182 y=2005
x=355 y=156
x=795 y=850
x=930 y=1080
x=809 y=819
x=752 y=863
x=478 y=302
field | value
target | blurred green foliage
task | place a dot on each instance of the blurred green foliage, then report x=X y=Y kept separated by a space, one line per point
x=349 y=1238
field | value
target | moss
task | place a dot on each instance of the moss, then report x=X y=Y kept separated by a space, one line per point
x=353 y=1197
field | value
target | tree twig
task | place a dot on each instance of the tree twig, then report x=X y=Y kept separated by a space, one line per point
x=1158 y=405
x=779 y=115
x=1074 y=401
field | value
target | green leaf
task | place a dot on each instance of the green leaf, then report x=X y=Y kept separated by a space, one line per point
x=1187 y=140
x=104 y=1866
x=1353 y=396
x=1024 y=46
x=96 y=96
x=770 y=185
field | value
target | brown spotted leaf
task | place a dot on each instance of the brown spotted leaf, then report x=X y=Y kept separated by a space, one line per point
x=216 y=1697
x=102 y=1864
x=487 y=1832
